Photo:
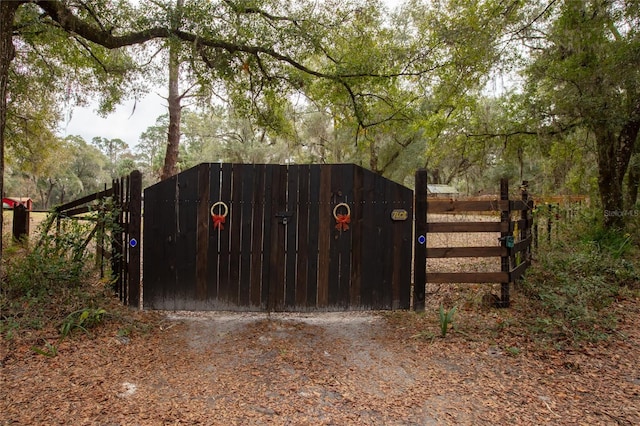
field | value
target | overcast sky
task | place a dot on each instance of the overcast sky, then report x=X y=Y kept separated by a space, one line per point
x=124 y=123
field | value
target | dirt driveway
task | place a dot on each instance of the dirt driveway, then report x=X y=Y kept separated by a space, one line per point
x=320 y=369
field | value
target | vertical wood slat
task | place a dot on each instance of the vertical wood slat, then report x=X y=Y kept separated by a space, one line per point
x=386 y=237
x=336 y=236
x=213 y=255
x=505 y=217
x=170 y=226
x=124 y=238
x=235 y=227
x=258 y=199
x=186 y=238
x=135 y=223
x=158 y=228
x=357 y=212
x=150 y=252
x=291 y=229
x=116 y=248
x=397 y=237
x=325 y=219
x=382 y=285
x=314 y=235
x=370 y=256
x=267 y=223
x=276 y=254
x=407 y=249
x=246 y=254
x=224 y=285
x=345 y=239
x=203 y=219
x=525 y=232
x=419 y=241
x=302 y=259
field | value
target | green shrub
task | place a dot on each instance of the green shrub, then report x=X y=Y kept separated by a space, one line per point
x=41 y=283
x=574 y=282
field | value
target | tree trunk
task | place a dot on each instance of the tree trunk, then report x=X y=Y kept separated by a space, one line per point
x=614 y=156
x=7 y=52
x=173 y=134
x=170 y=167
x=609 y=183
x=633 y=182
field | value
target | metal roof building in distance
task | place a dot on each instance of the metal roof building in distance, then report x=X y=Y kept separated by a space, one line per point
x=441 y=190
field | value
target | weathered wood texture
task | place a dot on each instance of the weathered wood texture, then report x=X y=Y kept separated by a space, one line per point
x=126 y=237
x=279 y=248
x=515 y=237
x=125 y=225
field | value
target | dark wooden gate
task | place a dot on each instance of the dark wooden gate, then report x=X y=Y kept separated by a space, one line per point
x=285 y=242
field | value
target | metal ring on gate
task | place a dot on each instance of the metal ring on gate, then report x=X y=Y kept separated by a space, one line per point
x=335 y=210
x=220 y=203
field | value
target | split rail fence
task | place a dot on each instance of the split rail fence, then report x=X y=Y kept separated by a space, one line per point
x=116 y=231
x=515 y=239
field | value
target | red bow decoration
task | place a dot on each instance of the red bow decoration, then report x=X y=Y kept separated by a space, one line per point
x=218 y=221
x=342 y=221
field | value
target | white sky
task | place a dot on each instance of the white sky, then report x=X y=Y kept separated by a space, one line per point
x=122 y=123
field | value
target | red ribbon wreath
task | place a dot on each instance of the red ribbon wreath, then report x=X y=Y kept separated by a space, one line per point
x=342 y=220
x=219 y=219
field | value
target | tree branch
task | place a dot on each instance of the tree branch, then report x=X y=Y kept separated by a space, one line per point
x=71 y=23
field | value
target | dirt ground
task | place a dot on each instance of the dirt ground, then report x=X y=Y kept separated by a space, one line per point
x=356 y=368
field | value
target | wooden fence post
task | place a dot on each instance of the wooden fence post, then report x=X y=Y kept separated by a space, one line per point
x=20 y=222
x=134 y=242
x=549 y=222
x=505 y=218
x=525 y=232
x=116 y=246
x=420 y=241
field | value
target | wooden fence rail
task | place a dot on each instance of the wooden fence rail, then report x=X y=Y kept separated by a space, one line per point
x=515 y=239
x=123 y=231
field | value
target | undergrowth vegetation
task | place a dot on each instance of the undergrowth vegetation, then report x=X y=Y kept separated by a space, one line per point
x=50 y=288
x=578 y=280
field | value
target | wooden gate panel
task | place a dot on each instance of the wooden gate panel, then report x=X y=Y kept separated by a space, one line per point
x=234 y=231
x=302 y=222
x=213 y=254
x=186 y=237
x=401 y=239
x=224 y=236
x=258 y=199
x=202 y=233
x=292 y=232
x=355 y=290
x=280 y=248
x=371 y=260
x=159 y=258
x=340 y=251
x=246 y=209
x=313 y=235
x=324 y=237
